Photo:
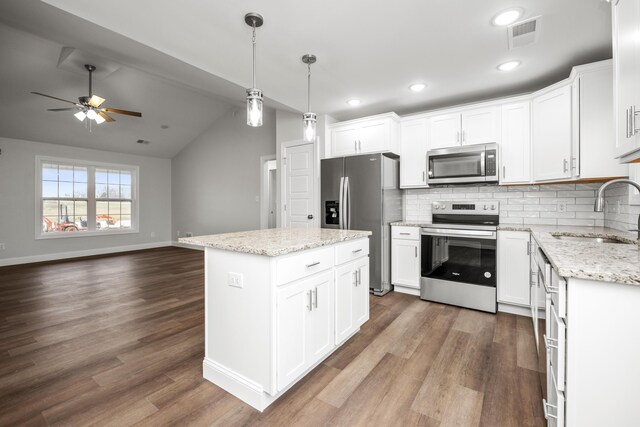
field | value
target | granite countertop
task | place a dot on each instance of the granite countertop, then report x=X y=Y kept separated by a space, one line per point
x=275 y=241
x=604 y=262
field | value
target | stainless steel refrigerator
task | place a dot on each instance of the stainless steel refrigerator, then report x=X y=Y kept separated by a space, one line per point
x=362 y=193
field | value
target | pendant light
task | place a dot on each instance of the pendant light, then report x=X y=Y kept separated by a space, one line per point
x=309 y=118
x=254 y=95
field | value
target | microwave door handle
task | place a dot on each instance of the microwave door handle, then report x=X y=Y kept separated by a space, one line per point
x=483 y=163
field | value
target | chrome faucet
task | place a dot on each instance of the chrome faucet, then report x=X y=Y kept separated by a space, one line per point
x=599 y=204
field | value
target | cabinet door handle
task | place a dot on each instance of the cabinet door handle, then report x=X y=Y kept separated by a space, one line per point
x=309 y=306
x=355 y=251
x=359 y=145
x=359 y=276
x=565 y=165
x=463 y=136
x=574 y=164
x=405 y=234
x=549 y=342
x=313 y=264
x=315 y=304
x=355 y=145
x=545 y=406
x=634 y=113
x=626 y=116
x=355 y=278
x=457 y=136
x=528 y=248
x=415 y=248
x=504 y=172
x=423 y=176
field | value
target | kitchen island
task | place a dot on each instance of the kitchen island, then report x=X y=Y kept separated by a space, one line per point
x=277 y=303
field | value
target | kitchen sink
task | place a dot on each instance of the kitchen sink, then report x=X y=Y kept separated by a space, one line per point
x=592 y=239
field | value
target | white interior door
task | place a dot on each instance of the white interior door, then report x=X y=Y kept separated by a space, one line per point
x=300 y=197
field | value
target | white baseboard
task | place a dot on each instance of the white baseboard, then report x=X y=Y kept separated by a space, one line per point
x=514 y=309
x=79 y=254
x=186 y=246
x=405 y=290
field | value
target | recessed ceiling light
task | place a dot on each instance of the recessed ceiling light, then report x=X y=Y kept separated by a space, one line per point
x=417 y=87
x=508 y=66
x=507 y=17
x=354 y=102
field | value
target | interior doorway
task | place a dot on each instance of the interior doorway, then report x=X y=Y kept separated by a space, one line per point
x=268 y=183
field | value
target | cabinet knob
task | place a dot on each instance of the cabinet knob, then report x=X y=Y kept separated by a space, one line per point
x=309 y=216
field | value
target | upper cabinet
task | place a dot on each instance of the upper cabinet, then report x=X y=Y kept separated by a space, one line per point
x=552 y=134
x=466 y=127
x=626 y=56
x=369 y=135
x=413 y=152
x=516 y=143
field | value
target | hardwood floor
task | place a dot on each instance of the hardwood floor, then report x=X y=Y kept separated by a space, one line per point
x=118 y=340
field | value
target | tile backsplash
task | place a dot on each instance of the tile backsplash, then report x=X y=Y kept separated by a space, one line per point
x=549 y=204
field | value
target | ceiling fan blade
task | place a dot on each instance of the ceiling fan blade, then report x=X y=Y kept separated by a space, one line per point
x=63 y=109
x=125 y=112
x=95 y=101
x=106 y=117
x=53 y=97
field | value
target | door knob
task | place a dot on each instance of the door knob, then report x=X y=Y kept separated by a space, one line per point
x=309 y=216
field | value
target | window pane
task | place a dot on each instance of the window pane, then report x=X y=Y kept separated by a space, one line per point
x=125 y=208
x=114 y=177
x=102 y=208
x=81 y=222
x=125 y=178
x=114 y=191
x=125 y=221
x=66 y=210
x=65 y=173
x=80 y=190
x=125 y=191
x=49 y=223
x=79 y=174
x=66 y=189
x=49 y=172
x=115 y=221
x=114 y=208
x=81 y=209
x=101 y=176
x=101 y=191
x=49 y=189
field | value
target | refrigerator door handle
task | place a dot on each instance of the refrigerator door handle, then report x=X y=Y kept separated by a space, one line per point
x=341 y=205
x=347 y=197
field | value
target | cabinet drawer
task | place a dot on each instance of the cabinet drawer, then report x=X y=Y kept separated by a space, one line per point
x=405 y=233
x=352 y=250
x=295 y=267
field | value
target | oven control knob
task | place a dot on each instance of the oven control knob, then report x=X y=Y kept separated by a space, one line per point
x=485 y=207
x=493 y=207
x=436 y=207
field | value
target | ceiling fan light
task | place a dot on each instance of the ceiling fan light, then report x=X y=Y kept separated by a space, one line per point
x=91 y=114
x=309 y=122
x=99 y=119
x=80 y=115
x=254 y=107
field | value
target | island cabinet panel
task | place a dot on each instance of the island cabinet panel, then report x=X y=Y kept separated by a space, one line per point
x=270 y=320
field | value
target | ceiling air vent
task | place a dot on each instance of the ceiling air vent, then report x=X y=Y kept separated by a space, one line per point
x=523 y=33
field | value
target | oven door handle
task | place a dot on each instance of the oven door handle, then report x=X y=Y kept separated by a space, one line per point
x=448 y=232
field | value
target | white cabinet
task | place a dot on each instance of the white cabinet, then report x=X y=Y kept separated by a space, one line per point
x=513 y=267
x=594 y=130
x=405 y=259
x=367 y=135
x=552 y=134
x=444 y=131
x=626 y=56
x=413 y=153
x=352 y=298
x=481 y=125
x=516 y=143
x=466 y=127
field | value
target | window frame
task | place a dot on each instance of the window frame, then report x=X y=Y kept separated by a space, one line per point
x=91 y=198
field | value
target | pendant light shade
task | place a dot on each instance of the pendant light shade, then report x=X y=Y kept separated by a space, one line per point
x=309 y=119
x=254 y=95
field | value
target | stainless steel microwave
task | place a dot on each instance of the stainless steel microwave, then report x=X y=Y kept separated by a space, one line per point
x=470 y=163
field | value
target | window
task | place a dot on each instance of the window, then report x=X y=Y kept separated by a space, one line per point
x=77 y=198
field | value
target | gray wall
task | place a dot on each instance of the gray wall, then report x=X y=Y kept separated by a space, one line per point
x=216 y=178
x=18 y=204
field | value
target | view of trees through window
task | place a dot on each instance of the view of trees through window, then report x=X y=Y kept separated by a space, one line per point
x=77 y=198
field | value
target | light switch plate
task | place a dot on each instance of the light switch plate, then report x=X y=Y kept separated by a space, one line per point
x=235 y=279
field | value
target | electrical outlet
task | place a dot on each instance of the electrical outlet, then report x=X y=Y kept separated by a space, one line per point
x=235 y=279
x=177 y=233
x=2 y=247
x=188 y=234
x=258 y=199
x=153 y=234
x=562 y=207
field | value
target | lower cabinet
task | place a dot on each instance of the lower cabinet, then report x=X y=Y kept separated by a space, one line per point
x=405 y=257
x=352 y=298
x=514 y=248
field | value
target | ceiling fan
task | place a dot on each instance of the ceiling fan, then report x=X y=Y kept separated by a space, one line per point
x=88 y=107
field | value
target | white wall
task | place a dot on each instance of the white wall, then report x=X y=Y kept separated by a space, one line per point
x=18 y=203
x=216 y=178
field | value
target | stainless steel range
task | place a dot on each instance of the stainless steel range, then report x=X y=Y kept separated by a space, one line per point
x=459 y=255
